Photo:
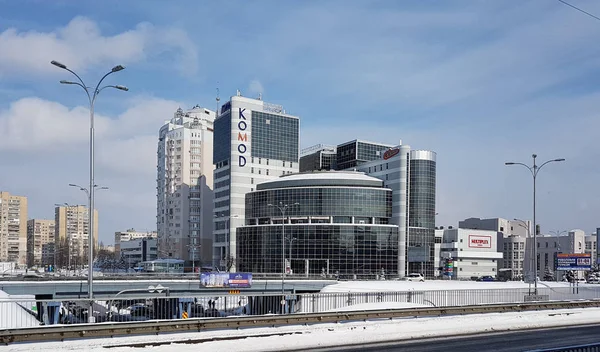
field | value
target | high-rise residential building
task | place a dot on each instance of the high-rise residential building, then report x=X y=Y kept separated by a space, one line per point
x=40 y=242
x=255 y=141
x=184 y=187
x=318 y=157
x=411 y=175
x=71 y=235
x=13 y=228
x=130 y=235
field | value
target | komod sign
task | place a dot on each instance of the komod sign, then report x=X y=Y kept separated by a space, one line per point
x=242 y=137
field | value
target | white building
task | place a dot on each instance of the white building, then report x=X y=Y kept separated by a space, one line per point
x=548 y=246
x=130 y=235
x=138 y=250
x=185 y=186
x=254 y=142
x=13 y=228
x=474 y=252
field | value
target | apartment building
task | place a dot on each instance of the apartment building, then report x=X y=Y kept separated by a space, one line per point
x=13 y=228
x=184 y=186
x=40 y=242
x=71 y=234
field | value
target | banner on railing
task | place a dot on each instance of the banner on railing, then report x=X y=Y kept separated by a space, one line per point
x=226 y=280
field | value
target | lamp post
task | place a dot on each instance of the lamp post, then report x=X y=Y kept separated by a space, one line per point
x=228 y=218
x=535 y=169
x=282 y=208
x=90 y=225
x=91 y=99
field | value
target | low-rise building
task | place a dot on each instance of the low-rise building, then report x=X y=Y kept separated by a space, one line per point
x=129 y=235
x=138 y=250
x=474 y=252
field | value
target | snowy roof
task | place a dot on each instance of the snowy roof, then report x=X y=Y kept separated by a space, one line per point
x=322 y=178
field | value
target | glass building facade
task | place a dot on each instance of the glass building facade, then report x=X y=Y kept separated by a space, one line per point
x=340 y=226
x=356 y=152
x=274 y=137
x=421 y=212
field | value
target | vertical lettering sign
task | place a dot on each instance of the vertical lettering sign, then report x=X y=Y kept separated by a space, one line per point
x=242 y=138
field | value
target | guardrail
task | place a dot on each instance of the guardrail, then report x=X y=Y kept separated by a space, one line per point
x=594 y=347
x=61 y=333
x=29 y=312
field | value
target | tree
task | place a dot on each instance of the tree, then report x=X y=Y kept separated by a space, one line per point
x=548 y=274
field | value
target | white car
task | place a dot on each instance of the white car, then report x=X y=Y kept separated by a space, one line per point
x=414 y=277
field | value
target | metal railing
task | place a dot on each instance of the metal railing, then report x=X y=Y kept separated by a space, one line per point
x=593 y=347
x=108 y=329
x=29 y=312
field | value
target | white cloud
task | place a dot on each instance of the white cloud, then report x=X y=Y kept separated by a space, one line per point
x=80 y=45
x=255 y=88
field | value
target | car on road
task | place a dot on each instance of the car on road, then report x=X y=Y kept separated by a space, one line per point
x=414 y=277
x=486 y=278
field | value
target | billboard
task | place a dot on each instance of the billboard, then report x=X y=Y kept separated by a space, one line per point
x=226 y=280
x=573 y=261
x=479 y=241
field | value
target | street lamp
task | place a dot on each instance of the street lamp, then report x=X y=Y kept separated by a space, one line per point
x=282 y=208
x=228 y=218
x=535 y=169
x=87 y=192
x=92 y=95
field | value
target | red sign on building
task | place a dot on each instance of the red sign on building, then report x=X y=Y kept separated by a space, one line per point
x=479 y=241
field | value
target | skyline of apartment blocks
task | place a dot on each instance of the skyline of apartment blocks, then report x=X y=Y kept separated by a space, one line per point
x=71 y=233
x=40 y=242
x=130 y=235
x=13 y=228
x=184 y=187
x=254 y=141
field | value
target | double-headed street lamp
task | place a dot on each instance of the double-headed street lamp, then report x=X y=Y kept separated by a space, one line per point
x=283 y=208
x=535 y=169
x=92 y=95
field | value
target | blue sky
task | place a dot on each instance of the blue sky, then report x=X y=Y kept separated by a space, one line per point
x=479 y=82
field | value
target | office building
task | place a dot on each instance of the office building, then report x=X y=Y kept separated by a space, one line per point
x=354 y=153
x=185 y=186
x=130 y=235
x=336 y=224
x=318 y=157
x=512 y=237
x=136 y=250
x=13 y=228
x=71 y=235
x=40 y=240
x=411 y=175
x=255 y=142
x=474 y=253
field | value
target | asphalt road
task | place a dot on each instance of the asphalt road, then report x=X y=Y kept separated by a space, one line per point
x=514 y=341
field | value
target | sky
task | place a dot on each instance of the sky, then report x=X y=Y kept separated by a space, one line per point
x=478 y=82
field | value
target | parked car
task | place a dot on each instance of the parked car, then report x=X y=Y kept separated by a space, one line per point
x=414 y=277
x=486 y=278
x=593 y=280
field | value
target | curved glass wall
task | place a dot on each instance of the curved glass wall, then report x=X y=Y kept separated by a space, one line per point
x=320 y=249
x=321 y=201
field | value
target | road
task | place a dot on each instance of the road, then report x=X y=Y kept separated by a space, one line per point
x=513 y=341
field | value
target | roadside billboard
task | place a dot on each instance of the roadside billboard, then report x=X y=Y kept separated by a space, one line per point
x=573 y=261
x=226 y=280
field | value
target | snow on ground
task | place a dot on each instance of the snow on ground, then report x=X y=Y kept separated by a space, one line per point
x=383 y=286
x=324 y=335
x=376 y=306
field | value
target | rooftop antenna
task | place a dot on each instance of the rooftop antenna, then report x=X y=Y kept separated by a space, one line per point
x=218 y=100
x=259 y=96
x=239 y=94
